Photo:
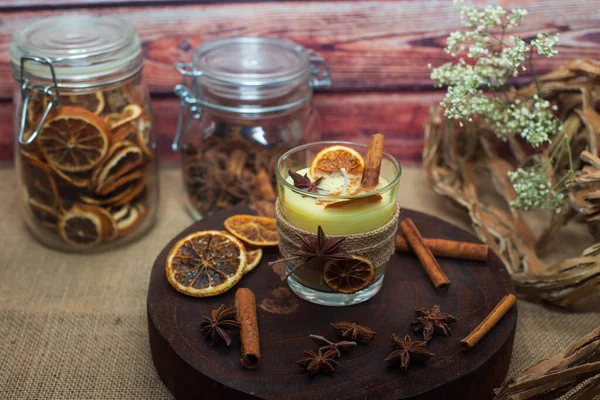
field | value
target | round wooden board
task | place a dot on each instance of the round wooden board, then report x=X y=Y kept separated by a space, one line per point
x=193 y=369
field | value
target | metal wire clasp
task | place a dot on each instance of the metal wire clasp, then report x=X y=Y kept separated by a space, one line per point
x=186 y=100
x=321 y=76
x=27 y=89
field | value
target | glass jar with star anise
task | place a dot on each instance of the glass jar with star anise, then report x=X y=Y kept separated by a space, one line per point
x=244 y=102
x=85 y=151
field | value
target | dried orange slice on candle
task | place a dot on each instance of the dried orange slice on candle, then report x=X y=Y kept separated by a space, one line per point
x=93 y=102
x=206 y=263
x=349 y=276
x=333 y=158
x=74 y=140
x=256 y=231
x=254 y=257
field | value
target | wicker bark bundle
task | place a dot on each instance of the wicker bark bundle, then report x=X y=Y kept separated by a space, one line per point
x=460 y=161
x=577 y=366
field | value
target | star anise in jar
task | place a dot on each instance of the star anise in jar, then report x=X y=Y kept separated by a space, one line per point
x=326 y=345
x=432 y=321
x=406 y=351
x=214 y=327
x=304 y=182
x=352 y=331
x=321 y=362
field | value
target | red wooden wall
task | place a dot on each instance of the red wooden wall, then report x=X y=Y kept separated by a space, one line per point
x=378 y=52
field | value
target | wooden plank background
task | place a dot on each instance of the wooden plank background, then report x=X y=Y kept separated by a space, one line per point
x=378 y=52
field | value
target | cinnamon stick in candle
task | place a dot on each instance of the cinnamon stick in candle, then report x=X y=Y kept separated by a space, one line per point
x=489 y=322
x=448 y=248
x=370 y=176
x=436 y=274
x=245 y=303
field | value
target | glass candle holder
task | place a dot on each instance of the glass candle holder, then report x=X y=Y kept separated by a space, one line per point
x=306 y=211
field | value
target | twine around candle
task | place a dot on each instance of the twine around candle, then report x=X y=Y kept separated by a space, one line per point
x=377 y=245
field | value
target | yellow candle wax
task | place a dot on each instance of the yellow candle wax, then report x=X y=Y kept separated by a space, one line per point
x=307 y=213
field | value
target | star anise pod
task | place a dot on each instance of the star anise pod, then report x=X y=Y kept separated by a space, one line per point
x=321 y=248
x=321 y=362
x=432 y=321
x=303 y=182
x=352 y=331
x=326 y=345
x=214 y=328
x=407 y=351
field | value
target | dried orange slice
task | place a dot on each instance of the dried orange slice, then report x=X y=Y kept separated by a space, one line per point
x=254 y=257
x=129 y=113
x=86 y=225
x=257 y=231
x=349 y=276
x=93 y=102
x=118 y=165
x=206 y=263
x=38 y=181
x=333 y=158
x=46 y=215
x=144 y=127
x=74 y=140
x=77 y=179
x=122 y=181
x=131 y=220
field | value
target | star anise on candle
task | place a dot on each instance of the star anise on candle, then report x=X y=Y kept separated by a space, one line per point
x=352 y=331
x=304 y=182
x=321 y=362
x=432 y=321
x=407 y=351
x=321 y=248
x=326 y=345
x=214 y=327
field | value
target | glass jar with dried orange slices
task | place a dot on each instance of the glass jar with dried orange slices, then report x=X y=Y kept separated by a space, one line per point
x=85 y=153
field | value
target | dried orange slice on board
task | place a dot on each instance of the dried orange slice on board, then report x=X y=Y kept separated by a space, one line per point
x=333 y=158
x=86 y=226
x=206 y=263
x=254 y=257
x=257 y=231
x=93 y=102
x=349 y=276
x=74 y=140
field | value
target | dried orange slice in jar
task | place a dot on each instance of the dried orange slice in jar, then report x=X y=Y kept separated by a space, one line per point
x=129 y=113
x=349 y=276
x=74 y=139
x=257 y=231
x=93 y=102
x=254 y=257
x=206 y=263
x=86 y=225
x=333 y=158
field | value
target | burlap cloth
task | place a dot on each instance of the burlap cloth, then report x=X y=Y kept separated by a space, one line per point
x=74 y=326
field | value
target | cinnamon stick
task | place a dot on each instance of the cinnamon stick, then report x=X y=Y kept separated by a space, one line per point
x=263 y=187
x=370 y=176
x=448 y=248
x=245 y=303
x=489 y=322
x=413 y=236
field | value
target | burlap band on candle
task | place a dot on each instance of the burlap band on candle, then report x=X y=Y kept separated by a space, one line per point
x=378 y=245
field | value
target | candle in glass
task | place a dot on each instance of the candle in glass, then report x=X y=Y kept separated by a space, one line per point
x=340 y=207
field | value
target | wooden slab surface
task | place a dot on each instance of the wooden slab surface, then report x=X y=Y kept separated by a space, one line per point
x=192 y=369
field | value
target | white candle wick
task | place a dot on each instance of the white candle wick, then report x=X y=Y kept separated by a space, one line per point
x=345 y=181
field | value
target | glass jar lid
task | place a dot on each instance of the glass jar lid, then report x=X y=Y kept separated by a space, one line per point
x=81 y=48
x=251 y=67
